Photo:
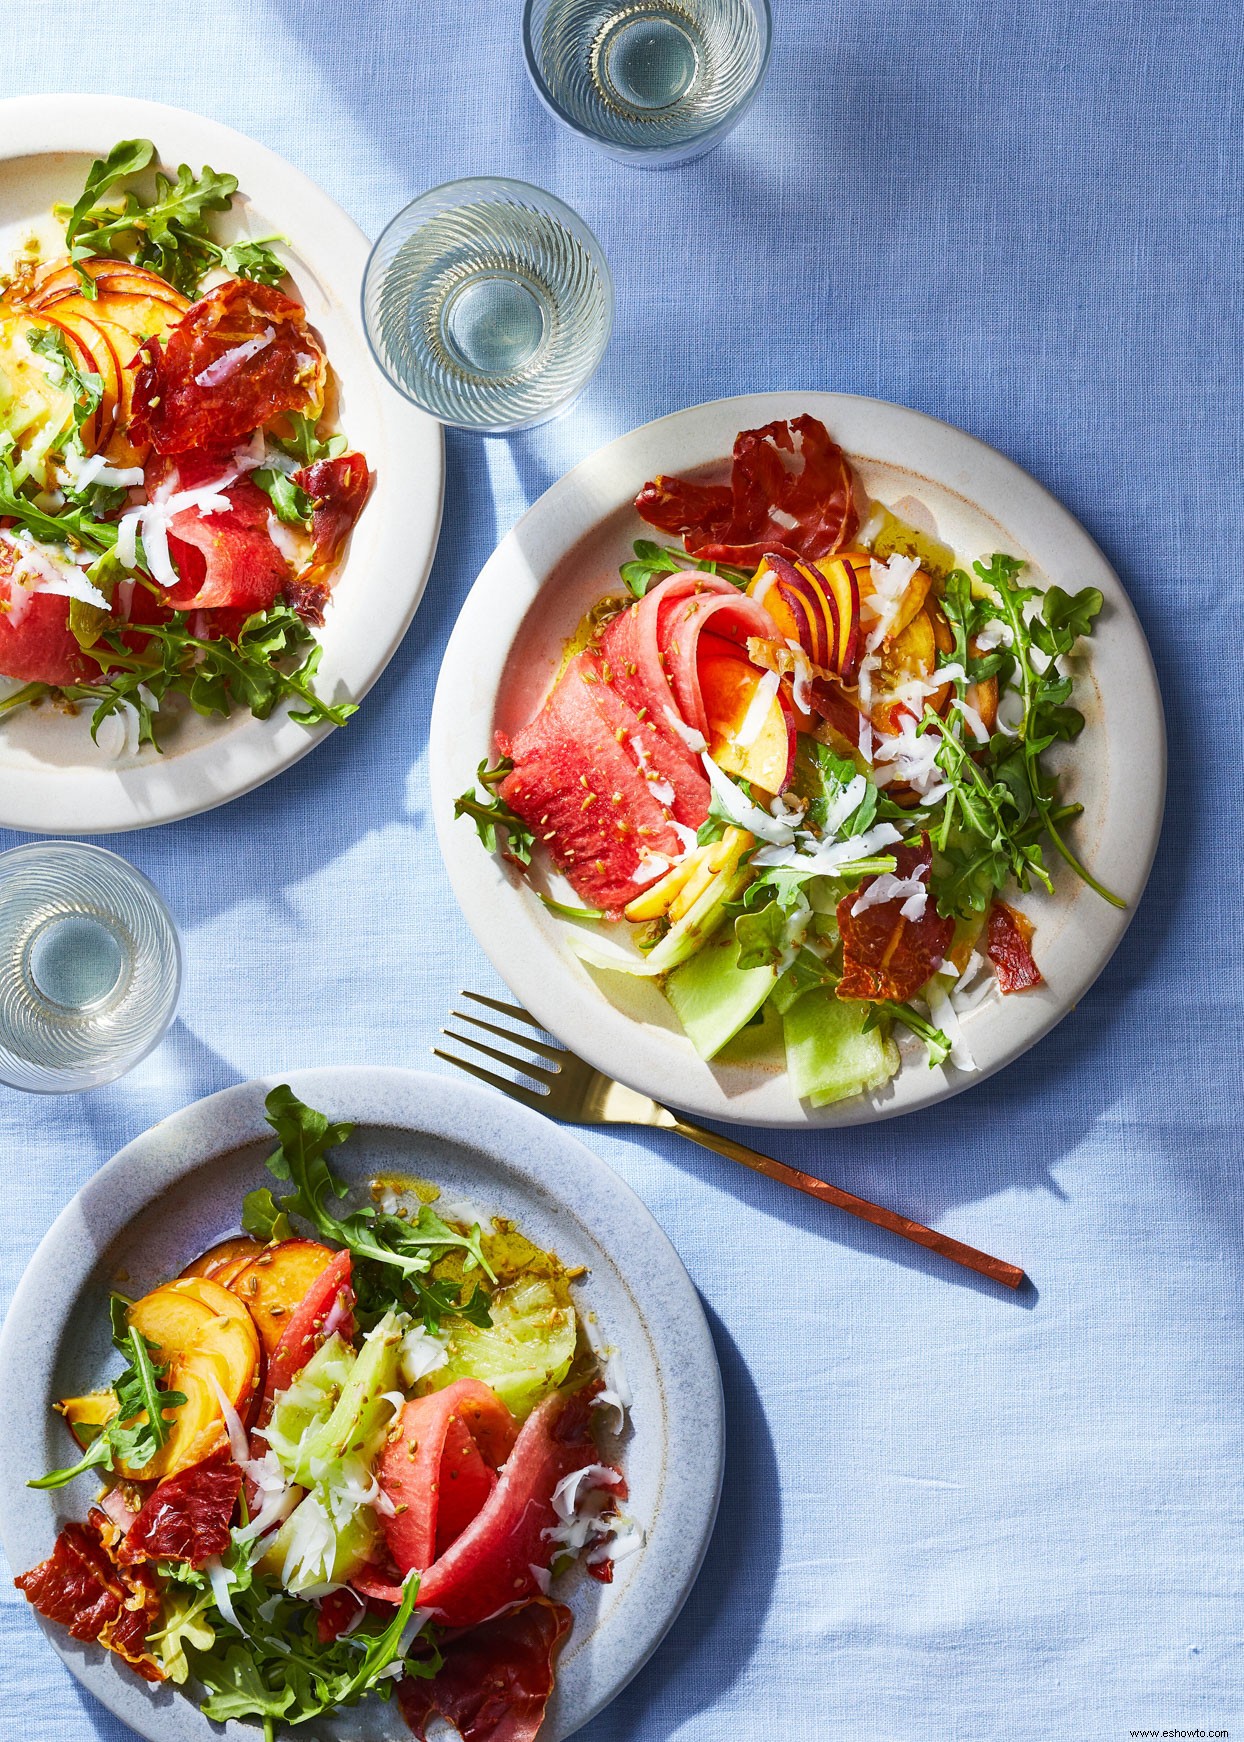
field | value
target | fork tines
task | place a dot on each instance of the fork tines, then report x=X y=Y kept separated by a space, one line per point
x=541 y=1074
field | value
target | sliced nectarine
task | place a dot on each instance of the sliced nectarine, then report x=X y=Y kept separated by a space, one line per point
x=95 y=345
x=61 y=280
x=225 y=1260
x=841 y=578
x=206 y=1339
x=747 y=736
x=275 y=1282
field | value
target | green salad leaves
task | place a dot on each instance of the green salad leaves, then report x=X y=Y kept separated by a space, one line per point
x=267 y=1662
x=167 y=230
x=395 y=1257
x=134 y=1434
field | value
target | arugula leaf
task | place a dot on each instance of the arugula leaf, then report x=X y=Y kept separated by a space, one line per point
x=935 y=1041
x=493 y=817
x=303 y=445
x=291 y=502
x=250 y=257
x=214 y=675
x=138 y=1428
x=86 y=387
x=379 y=1239
x=262 y=1217
x=273 y=1666
x=128 y=157
x=654 y=560
x=1046 y=717
x=72 y=526
x=169 y=233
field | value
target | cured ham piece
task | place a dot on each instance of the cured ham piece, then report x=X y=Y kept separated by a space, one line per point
x=489 y=1567
x=36 y=642
x=238 y=358
x=439 y=1467
x=790 y=491
x=1008 y=941
x=187 y=1518
x=225 y=559
x=340 y=1612
x=81 y=1587
x=495 y=1682
x=885 y=956
x=338 y=489
x=577 y=787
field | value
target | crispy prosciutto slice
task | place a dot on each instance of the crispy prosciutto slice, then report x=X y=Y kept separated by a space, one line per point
x=495 y=1681
x=187 y=1518
x=577 y=785
x=1008 y=945
x=885 y=955
x=439 y=1467
x=489 y=1567
x=36 y=643
x=338 y=489
x=790 y=490
x=81 y=1587
x=225 y=557
x=238 y=357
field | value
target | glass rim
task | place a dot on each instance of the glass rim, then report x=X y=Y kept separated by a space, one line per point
x=637 y=154
x=543 y=200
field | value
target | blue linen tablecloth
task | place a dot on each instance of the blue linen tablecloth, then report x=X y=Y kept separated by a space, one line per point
x=949 y=1514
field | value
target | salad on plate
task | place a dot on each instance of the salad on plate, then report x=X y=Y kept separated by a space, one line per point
x=804 y=770
x=352 y=1453
x=175 y=496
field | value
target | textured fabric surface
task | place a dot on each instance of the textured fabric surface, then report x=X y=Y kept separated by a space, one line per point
x=948 y=1514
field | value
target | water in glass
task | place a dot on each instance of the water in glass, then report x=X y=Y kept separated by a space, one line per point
x=489 y=303
x=89 y=966
x=655 y=80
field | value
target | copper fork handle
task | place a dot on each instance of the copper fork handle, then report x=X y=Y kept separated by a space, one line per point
x=1010 y=1275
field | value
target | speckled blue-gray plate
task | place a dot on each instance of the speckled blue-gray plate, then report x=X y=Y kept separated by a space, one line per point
x=173 y=1191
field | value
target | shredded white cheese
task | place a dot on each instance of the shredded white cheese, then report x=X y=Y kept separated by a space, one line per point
x=231 y=360
x=888 y=887
x=742 y=812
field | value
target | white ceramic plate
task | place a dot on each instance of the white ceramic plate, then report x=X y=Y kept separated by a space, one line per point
x=179 y=1187
x=564 y=554
x=52 y=778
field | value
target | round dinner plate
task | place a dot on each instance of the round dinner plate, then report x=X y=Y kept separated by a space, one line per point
x=178 y=1188
x=563 y=555
x=53 y=780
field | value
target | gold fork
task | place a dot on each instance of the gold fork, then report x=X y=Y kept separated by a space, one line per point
x=575 y=1091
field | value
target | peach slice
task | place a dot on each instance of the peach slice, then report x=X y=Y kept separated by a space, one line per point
x=92 y=343
x=274 y=1283
x=729 y=684
x=61 y=280
x=841 y=578
x=796 y=605
x=202 y=1334
x=225 y=1260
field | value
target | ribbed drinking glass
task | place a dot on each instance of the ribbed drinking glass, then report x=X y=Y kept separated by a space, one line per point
x=652 y=82
x=489 y=303
x=90 y=967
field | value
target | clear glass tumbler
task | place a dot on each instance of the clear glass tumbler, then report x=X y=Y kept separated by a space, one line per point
x=489 y=303
x=652 y=82
x=90 y=967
